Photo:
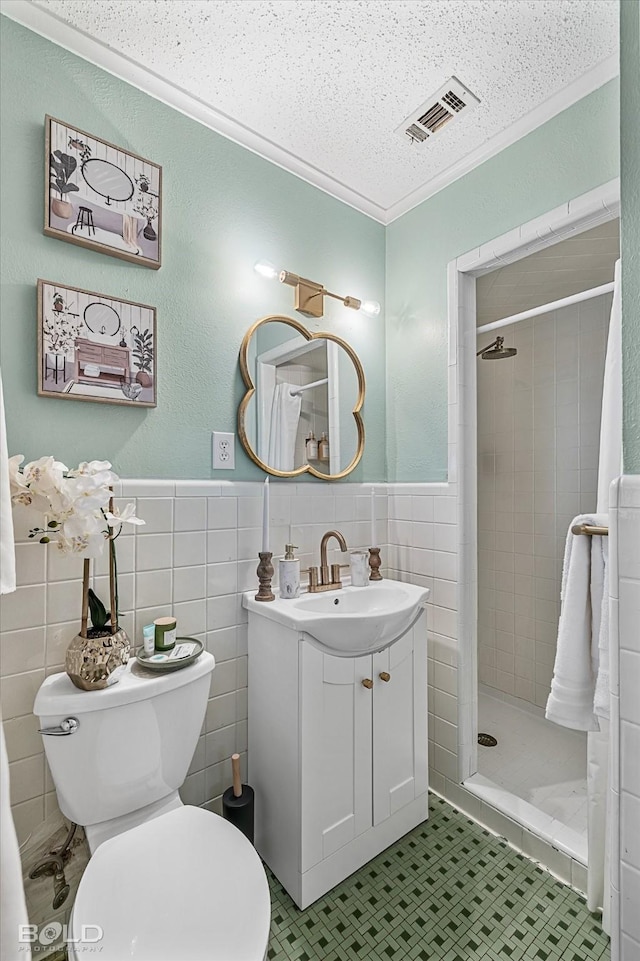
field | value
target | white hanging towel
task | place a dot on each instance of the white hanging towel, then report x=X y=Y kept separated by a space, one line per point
x=13 y=908
x=570 y=702
x=283 y=427
x=7 y=548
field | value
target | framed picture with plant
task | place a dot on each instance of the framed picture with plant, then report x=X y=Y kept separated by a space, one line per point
x=95 y=347
x=101 y=196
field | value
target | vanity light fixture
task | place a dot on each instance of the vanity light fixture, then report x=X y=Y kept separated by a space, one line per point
x=309 y=298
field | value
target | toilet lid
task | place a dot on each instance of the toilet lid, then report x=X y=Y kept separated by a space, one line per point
x=185 y=886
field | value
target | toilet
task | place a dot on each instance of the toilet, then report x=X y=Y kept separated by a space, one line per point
x=166 y=881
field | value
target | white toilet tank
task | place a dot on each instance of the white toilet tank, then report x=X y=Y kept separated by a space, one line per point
x=134 y=741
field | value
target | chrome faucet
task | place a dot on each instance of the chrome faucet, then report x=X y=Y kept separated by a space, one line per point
x=329 y=580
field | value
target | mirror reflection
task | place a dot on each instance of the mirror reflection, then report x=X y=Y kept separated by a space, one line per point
x=303 y=414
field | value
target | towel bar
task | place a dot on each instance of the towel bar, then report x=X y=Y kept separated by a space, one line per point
x=589 y=529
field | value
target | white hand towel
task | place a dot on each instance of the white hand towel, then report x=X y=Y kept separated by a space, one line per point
x=285 y=415
x=7 y=548
x=13 y=908
x=601 y=697
x=570 y=702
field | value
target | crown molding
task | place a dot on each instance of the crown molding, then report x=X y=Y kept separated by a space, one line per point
x=76 y=41
x=52 y=27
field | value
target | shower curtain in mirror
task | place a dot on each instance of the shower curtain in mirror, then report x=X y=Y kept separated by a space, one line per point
x=600 y=821
x=283 y=427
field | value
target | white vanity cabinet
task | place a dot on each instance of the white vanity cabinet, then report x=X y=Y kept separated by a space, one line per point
x=337 y=752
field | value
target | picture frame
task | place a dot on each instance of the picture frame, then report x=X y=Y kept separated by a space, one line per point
x=101 y=196
x=95 y=347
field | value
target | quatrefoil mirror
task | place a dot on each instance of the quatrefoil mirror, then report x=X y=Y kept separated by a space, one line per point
x=300 y=384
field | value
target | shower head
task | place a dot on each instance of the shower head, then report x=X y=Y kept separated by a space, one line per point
x=496 y=351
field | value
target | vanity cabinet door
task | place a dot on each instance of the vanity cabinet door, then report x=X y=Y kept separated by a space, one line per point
x=400 y=763
x=335 y=754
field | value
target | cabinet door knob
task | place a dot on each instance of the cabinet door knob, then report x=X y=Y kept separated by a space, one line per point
x=384 y=676
x=368 y=683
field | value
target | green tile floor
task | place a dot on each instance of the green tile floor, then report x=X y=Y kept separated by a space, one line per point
x=448 y=890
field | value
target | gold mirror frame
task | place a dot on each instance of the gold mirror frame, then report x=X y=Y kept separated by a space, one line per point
x=251 y=389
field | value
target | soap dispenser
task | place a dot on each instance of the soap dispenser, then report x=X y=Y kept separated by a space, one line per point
x=289 y=573
x=311 y=447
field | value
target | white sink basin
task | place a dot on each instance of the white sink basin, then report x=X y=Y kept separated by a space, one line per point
x=349 y=621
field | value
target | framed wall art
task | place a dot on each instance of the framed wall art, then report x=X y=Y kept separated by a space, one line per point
x=101 y=196
x=95 y=347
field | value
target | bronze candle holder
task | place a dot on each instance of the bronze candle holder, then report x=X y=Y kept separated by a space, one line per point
x=374 y=563
x=265 y=573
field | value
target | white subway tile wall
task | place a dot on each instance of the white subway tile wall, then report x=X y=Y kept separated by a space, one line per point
x=625 y=714
x=423 y=550
x=538 y=441
x=194 y=557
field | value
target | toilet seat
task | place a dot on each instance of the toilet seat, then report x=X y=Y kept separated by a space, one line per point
x=185 y=886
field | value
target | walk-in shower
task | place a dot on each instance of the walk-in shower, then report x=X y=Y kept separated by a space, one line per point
x=538 y=435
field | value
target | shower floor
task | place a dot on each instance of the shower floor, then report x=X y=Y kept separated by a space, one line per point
x=534 y=759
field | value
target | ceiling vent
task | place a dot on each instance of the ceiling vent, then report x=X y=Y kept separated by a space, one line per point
x=445 y=106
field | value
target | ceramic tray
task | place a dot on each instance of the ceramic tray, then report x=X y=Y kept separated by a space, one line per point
x=146 y=659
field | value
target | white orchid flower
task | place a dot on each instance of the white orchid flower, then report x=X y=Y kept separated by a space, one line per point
x=96 y=468
x=15 y=475
x=21 y=493
x=77 y=525
x=72 y=504
x=44 y=475
x=89 y=545
x=127 y=516
x=87 y=493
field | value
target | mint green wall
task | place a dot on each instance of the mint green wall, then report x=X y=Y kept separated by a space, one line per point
x=569 y=155
x=224 y=208
x=630 y=224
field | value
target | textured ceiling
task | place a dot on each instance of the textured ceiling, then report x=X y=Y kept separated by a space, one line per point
x=330 y=80
x=566 y=268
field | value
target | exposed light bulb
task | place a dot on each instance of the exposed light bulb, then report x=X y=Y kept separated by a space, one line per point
x=265 y=269
x=370 y=307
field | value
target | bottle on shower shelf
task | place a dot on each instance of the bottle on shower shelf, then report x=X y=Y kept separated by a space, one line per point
x=323 y=448
x=311 y=447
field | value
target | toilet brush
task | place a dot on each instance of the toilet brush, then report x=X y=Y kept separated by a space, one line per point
x=237 y=801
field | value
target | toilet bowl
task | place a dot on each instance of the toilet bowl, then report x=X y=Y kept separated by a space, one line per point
x=186 y=886
x=166 y=881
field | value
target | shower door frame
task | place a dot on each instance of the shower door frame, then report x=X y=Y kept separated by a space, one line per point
x=589 y=210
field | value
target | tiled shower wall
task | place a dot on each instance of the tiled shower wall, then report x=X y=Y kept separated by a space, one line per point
x=538 y=442
x=194 y=557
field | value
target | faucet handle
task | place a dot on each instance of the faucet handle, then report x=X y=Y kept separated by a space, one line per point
x=313 y=576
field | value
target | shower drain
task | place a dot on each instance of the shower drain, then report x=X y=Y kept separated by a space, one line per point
x=487 y=740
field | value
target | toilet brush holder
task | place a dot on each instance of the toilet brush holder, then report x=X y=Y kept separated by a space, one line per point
x=238 y=802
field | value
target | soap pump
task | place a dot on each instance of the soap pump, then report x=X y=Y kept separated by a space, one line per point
x=289 y=573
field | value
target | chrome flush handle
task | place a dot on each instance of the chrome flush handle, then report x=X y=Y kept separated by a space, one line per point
x=69 y=726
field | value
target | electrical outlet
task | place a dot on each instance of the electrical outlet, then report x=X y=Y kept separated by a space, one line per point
x=224 y=451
